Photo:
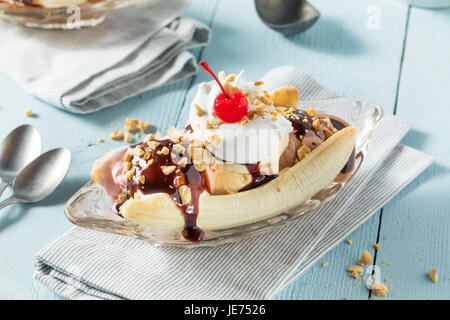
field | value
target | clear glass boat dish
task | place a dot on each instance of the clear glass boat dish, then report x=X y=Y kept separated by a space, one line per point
x=91 y=208
x=86 y=14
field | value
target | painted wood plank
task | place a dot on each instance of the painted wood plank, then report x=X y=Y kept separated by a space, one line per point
x=332 y=282
x=415 y=228
x=24 y=229
x=341 y=53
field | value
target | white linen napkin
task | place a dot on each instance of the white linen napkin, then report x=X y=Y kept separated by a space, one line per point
x=85 y=264
x=134 y=50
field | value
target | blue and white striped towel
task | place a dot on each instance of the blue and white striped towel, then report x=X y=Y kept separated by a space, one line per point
x=86 y=264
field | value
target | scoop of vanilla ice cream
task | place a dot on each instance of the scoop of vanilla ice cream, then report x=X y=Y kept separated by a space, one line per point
x=262 y=139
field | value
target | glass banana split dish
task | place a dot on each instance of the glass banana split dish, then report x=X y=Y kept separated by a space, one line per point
x=248 y=161
x=61 y=14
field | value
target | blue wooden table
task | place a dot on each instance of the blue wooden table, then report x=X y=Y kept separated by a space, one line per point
x=384 y=50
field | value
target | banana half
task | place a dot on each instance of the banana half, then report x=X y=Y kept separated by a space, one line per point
x=293 y=186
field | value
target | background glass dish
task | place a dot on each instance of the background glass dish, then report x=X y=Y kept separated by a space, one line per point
x=91 y=208
x=91 y=14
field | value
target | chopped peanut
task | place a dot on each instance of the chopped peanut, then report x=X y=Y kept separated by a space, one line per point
x=168 y=169
x=198 y=111
x=122 y=197
x=127 y=137
x=285 y=96
x=355 y=269
x=185 y=194
x=144 y=125
x=303 y=151
x=311 y=112
x=433 y=275
x=179 y=148
x=379 y=289
x=130 y=174
x=165 y=151
x=117 y=135
x=29 y=113
x=199 y=165
x=365 y=258
x=183 y=162
x=131 y=124
x=153 y=144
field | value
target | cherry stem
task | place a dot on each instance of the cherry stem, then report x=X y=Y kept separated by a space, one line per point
x=205 y=66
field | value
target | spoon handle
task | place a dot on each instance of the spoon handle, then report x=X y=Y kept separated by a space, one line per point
x=7 y=202
x=3 y=186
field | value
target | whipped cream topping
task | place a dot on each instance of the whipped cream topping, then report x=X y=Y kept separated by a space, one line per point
x=259 y=140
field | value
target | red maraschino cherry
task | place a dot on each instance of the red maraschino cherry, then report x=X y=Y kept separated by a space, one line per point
x=231 y=107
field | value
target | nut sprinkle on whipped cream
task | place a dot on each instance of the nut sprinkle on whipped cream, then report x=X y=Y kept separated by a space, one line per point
x=239 y=137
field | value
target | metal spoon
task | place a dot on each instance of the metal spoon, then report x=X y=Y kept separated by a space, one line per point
x=287 y=16
x=40 y=178
x=17 y=150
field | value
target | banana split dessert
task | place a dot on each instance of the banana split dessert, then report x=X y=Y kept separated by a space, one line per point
x=245 y=155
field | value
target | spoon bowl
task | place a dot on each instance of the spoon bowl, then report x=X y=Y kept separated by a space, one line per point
x=18 y=149
x=42 y=176
x=287 y=16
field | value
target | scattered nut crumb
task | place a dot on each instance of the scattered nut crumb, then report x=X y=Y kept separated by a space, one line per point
x=116 y=135
x=379 y=289
x=144 y=125
x=355 y=269
x=433 y=275
x=258 y=83
x=349 y=241
x=386 y=279
x=100 y=140
x=131 y=124
x=127 y=137
x=354 y=274
x=376 y=246
x=221 y=75
x=325 y=264
x=365 y=258
x=29 y=113
x=142 y=179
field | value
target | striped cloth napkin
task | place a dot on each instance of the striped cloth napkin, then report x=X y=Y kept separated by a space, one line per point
x=82 y=71
x=86 y=264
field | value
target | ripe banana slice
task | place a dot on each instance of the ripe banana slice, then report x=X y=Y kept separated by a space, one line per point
x=294 y=186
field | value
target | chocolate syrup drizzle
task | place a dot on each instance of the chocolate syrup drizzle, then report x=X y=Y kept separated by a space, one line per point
x=304 y=129
x=157 y=182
